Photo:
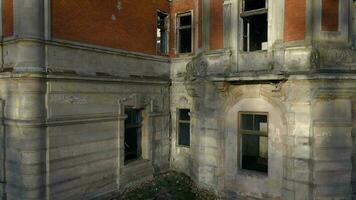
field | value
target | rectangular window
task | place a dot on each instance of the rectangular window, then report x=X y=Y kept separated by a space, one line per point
x=132 y=139
x=255 y=24
x=184 y=33
x=253 y=129
x=162 y=33
x=184 y=127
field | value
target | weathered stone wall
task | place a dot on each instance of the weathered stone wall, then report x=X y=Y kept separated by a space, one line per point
x=254 y=98
x=63 y=134
x=84 y=146
x=353 y=132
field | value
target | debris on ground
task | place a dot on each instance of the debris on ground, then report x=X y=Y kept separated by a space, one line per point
x=167 y=186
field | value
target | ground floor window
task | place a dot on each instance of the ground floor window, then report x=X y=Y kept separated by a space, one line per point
x=253 y=129
x=184 y=127
x=133 y=134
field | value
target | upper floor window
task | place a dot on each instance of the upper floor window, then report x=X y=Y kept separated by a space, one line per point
x=184 y=32
x=255 y=24
x=162 y=33
x=253 y=129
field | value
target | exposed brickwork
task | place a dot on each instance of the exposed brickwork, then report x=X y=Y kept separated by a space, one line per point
x=216 y=25
x=8 y=19
x=330 y=15
x=133 y=27
x=294 y=24
x=179 y=6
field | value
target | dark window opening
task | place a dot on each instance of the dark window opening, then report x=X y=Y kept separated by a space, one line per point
x=132 y=140
x=162 y=33
x=255 y=25
x=254 y=4
x=254 y=142
x=184 y=33
x=184 y=127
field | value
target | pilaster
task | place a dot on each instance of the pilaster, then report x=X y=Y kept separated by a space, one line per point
x=332 y=143
x=29 y=22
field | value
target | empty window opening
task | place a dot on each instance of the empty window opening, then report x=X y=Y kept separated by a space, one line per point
x=162 y=33
x=255 y=25
x=184 y=127
x=254 y=4
x=253 y=129
x=133 y=135
x=184 y=32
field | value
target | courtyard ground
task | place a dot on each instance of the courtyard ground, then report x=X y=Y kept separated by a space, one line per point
x=167 y=186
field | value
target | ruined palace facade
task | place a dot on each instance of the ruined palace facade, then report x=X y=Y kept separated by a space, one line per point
x=250 y=98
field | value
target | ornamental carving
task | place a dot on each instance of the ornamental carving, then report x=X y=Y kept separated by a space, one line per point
x=196 y=71
x=341 y=58
x=197 y=68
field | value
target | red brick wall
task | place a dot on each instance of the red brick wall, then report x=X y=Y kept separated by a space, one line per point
x=180 y=6
x=216 y=24
x=294 y=21
x=8 y=20
x=200 y=31
x=91 y=21
x=330 y=15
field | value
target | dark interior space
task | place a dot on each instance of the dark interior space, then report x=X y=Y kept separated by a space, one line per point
x=132 y=135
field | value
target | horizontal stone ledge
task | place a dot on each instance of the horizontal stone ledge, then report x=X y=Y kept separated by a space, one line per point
x=68 y=185
x=15 y=192
x=26 y=169
x=78 y=77
x=88 y=47
x=72 y=119
x=82 y=159
x=333 y=190
x=340 y=165
x=309 y=183
x=335 y=123
x=77 y=172
x=61 y=121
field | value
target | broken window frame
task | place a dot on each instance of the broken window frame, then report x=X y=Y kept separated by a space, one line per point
x=137 y=125
x=246 y=132
x=162 y=36
x=179 y=28
x=246 y=33
x=181 y=122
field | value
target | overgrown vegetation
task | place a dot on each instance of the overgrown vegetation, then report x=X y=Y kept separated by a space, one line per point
x=168 y=186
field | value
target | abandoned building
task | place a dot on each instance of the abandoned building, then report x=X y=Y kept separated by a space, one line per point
x=250 y=98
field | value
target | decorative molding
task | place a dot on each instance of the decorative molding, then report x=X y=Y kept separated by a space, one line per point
x=196 y=72
x=137 y=101
x=330 y=94
x=68 y=120
x=75 y=99
x=337 y=58
x=197 y=68
x=315 y=59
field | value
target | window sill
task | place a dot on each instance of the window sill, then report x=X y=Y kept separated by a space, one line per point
x=183 y=146
x=257 y=174
x=135 y=162
x=252 y=52
x=182 y=55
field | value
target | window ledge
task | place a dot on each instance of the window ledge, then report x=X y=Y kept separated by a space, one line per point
x=183 y=146
x=252 y=52
x=137 y=162
x=246 y=172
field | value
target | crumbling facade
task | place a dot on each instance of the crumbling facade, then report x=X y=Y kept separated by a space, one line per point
x=250 y=98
